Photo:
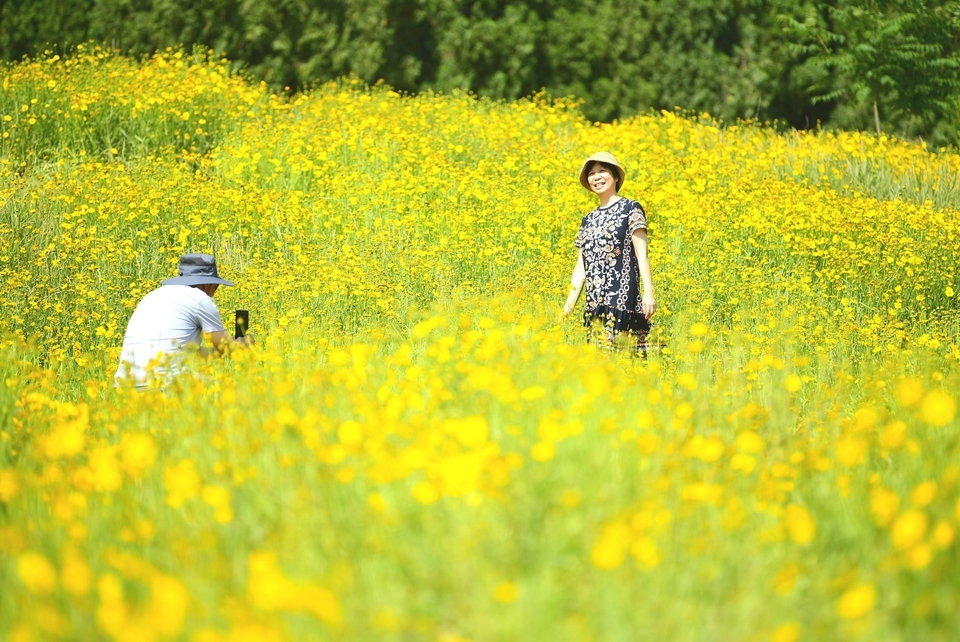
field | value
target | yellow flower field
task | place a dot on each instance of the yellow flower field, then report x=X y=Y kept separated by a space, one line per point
x=419 y=448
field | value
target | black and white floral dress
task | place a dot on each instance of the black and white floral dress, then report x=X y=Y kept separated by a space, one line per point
x=613 y=296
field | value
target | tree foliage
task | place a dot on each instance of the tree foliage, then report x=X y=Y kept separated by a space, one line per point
x=897 y=59
x=801 y=63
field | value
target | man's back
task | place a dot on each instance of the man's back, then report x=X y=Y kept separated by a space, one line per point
x=166 y=320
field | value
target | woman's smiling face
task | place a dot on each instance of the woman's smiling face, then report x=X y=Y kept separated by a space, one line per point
x=601 y=180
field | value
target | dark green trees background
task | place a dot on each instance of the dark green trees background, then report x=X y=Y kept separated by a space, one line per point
x=885 y=65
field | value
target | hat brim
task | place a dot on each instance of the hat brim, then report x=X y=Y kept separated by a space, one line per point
x=196 y=280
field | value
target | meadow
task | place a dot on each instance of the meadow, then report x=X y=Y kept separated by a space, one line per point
x=419 y=447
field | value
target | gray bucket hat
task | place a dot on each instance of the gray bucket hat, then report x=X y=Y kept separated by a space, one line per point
x=197 y=269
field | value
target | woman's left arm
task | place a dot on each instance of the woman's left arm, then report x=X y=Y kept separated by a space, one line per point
x=639 y=239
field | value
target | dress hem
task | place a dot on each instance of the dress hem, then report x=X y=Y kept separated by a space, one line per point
x=617 y=320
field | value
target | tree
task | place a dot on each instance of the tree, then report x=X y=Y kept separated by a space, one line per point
x=895 y=58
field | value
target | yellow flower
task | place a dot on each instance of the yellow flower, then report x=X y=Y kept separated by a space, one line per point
x=138 y=452
x=864 y=419
x=610 y=550
x=112 y=613
x=532 y=393
x=267 y=587
x=908 y=529
x=460 y=474
x=923 y=493
x=350 y=433
x=219 y=498
x=216 y=496
x=270 y=590
x=169 y=600
x=322 y=603
x=919 y=556
x=702 y=492
x=852 y=451
x=647 y=443
x=909 y=392
x=683 y=410
x=843 y=484
x=377 y=502
x=800 y=525
x=707 y=449
x=470 y=431
x=426 y=493
x=857 y=601
x=793 y=383
x=68 y=436
x=894 y=435
x=938 y=408
x=182 y=482
x=711 y=450
x=105 y=469
x=36 y=573
x=786 y=579
x=750 y=442
x=9 y=485
x=75 y=575
x=789 y=632
x=646 y=552
x=543 y=451
x=943 y=534
x=687 y=381
x=884 y=505
x=506 y=592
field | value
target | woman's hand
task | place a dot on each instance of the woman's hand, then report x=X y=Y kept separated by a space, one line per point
x=572 y=298
x=649 y=305
x=576 y=285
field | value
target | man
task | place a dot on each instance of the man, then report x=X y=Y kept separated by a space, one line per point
x=172 y=318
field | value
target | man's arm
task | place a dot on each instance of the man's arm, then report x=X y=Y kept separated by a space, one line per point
x=223 y=342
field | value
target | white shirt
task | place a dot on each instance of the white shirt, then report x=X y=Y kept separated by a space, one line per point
x=164 y=323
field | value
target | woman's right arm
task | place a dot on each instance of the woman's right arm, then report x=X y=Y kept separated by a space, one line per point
x=576 y=284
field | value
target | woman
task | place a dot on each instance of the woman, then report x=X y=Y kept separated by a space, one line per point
x=612 y=261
